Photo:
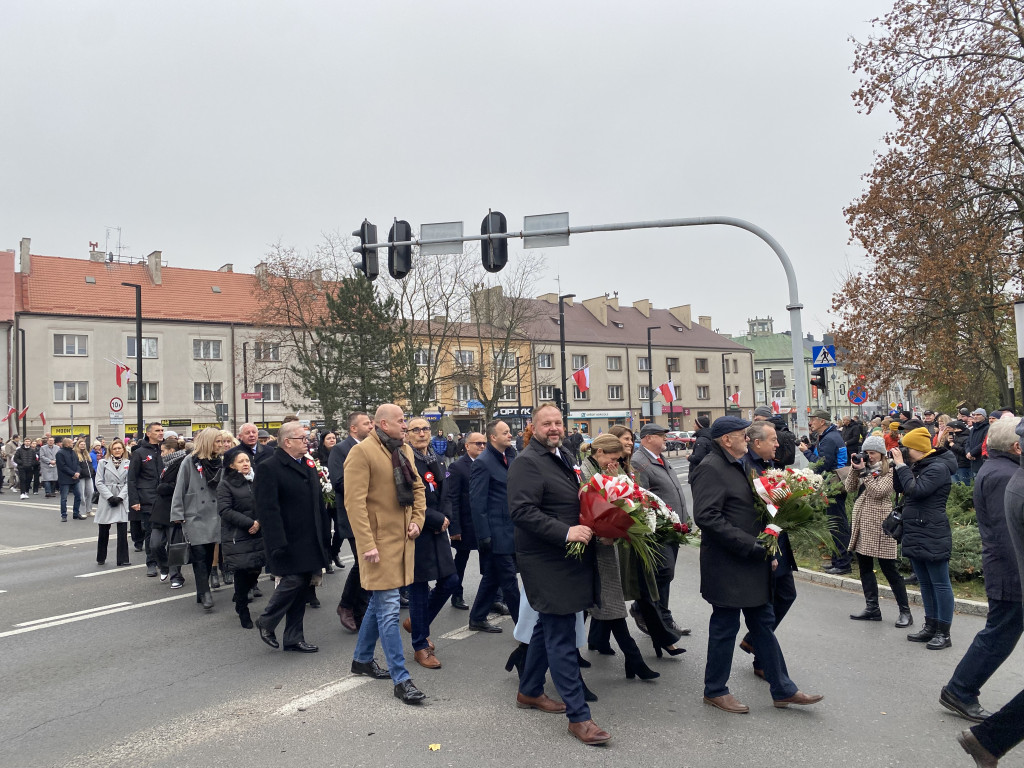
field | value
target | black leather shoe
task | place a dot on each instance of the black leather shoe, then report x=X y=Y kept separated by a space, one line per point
x=973 y=712
x=838 y=571
x=302 y=647
x=207 y=601
x=370 y=669
x=337 y=562
x=484 y=626
x=501 y=609
x=458 y=602
x=403 y=602
x=409 y=693
x=267 y=635
x=329 y=568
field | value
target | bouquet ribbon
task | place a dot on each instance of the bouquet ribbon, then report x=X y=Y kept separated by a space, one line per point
x=773 y=530
x=770 y=491
x=603 y=517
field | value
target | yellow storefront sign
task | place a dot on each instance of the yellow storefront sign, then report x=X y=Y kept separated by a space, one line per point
x=198 y=425
x=68 y=431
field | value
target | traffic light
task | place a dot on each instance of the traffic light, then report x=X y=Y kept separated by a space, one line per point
x=819 y=380
x=494 y=253
x=367 y=233
x=222 y=411
x=399 y=256
x=558 y=397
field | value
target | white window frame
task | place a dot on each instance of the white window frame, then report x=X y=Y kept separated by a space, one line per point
x=79 y=351
x=613 y=362
x=200 y=346
x=147 y=343
x=643 y=363
x=701 y=364
x=643 y=392
x=464 y=357
x=703 y=392
x=578 y=395
x=545 y=392
x=464 y=389
x=615 y=392
x=579 y=361
x=509 y=392
x=148 y=388
x=424 y=357
x=546 y=360
x=81 y=390
x=266 y=351
x=261 y=386
x=216 y=389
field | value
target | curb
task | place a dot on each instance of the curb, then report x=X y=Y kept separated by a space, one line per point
x=969 y=607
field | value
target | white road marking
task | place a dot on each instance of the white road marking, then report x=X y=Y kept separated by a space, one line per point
x=34 y=547
x=107 y=612
x=2 y=591
x=66 y=615
x=463 y=632
x=118 y=569
x=322 y=693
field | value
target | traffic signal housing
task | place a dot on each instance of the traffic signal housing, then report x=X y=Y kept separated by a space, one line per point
x=819 y=380
x=399 y=256
x=367 y=233
x=494 y=253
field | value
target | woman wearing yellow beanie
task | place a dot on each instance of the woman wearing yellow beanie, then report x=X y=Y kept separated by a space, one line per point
x=927 y=538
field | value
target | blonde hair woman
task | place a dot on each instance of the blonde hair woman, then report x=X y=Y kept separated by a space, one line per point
x=112 y=483
x=85 y=485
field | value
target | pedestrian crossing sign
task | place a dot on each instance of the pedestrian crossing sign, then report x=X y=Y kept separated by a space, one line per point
x=824 y=356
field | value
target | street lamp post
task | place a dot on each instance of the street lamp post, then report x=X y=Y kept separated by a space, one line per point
x=561 y=345
x=1018 y=316
x=245 y=378
x=138 y=358
x=650 y=374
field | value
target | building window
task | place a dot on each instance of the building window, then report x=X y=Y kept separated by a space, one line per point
x=672 y=364
x=703 y=393
x=426 y=394
x=510 y=392
x=778 y=379
x=67 y=344
x=614 y=391
x=678 y=392
x=758 y=375
x=271 y=391
x=728 y=391
x=578 y=395
x=702 y=364
x=149 y=391
x=423 y=357
x=504 y=361
x=206 y=391
x=643 y=364
x=644 y=392
x=265 y=351
x=759 y=396
x=614 y=363
x=779 y=394
x=545 y=360
x=579 y=361
x=735 y=365
x=71 y=391
x=464 y=392
x=206 y=349
x=546 y=392
x=464 y=357
x=149 y=348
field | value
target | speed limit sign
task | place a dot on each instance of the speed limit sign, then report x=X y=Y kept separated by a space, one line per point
x=116 y=404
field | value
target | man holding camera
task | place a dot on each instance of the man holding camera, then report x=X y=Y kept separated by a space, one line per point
x=831 y=451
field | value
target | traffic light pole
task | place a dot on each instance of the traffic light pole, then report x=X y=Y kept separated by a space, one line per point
x=367 y=234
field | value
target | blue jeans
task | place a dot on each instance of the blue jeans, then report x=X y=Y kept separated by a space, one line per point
x=936 y=589
x=64 y=499
x=990 y=648
x=963 y=475
x=722 y=629
x=381 y=621
x=424 y=605
x=553 y=645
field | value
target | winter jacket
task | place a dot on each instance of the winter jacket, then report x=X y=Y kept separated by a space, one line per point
x=111 y=482
x=433 y=560
x=999 y=561
x=873 y=505
x=25 y=458
x=194 y=504
x=143 y=476
x=48 y=472
x=925 y=487
x=67 y=467
x=959 y=449
x=702 y=446
x=243 y=551
x=975 y=443
x=785 y=454
x=161 y=509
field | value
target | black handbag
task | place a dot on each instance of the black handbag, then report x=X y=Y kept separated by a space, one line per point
x=892 y=526
x=179 y=551
x=95 y=497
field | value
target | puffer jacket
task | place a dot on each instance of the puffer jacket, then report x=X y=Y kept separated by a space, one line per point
x=243 y=551
x=161 y=514
x=925 y=487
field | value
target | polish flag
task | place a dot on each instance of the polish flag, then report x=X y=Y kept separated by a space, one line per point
x=122 y=371
x=582 y=379
x=776 y=406
x=668 y=391
x=735 y=397
x=11 y=410
x=42 y=416
x=22 y=414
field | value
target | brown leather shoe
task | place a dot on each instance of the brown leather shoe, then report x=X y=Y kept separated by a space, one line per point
x=759 y=673
x=746 y=647
x=798 y=698
x=348 y=619
x=982 y=757
x=407 y=626
x=426 y=658
x=543 y=702
x=589 y=732
x=728 y=703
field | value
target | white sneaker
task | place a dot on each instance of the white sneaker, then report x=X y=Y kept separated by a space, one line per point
x=24 y=495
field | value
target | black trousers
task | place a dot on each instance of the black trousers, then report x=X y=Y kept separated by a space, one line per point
x=1004 y=730
x=602 y=630
x=461 y=560
x=289 y=603
x=25 y=478
x=869 y=583
x=353 y=596
x=840 y=524
x=244 y=581
x=104 y=538
x=202 y=564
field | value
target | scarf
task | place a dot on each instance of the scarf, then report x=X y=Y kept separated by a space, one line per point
x=399 y=466
x=210 y=470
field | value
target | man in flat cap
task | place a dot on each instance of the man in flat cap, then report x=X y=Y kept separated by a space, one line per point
x=735 y=573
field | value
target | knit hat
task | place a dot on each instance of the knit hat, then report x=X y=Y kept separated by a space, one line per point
x=764 y=410
x=874 y=443
x=894 y=426
x=918 y=439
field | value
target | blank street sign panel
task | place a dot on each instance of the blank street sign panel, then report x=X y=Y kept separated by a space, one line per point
x=541 y=223
x=444 y=229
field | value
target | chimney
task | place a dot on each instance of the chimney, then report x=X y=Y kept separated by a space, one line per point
x=704 y=321
x=643 y=307
x=810 y=337
x=682 y=314
x=598 y=307
x=550 y=298
x=153 y=265
x=26 y=259
x=612 y=301
x=316 y=276
x=97 y=256
x=226 y=268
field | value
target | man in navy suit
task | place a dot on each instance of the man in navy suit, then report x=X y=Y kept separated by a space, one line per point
x=495 y=535
x=457 y=510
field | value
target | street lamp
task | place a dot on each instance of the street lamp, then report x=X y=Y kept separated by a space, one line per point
x=245 y=378
x=1018 y=316
x=650 y=374
x=138 y=357
x=561 y=345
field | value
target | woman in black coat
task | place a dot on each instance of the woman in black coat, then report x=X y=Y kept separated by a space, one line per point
x=927 y=537
x=160 y=516
x=241 y=541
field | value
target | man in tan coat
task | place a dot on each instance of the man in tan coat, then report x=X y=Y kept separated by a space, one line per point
x=385 y=500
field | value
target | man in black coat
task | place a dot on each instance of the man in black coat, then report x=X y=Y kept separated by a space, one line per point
x=457 y=509
x=296 y=530
x=735 y=575
x=354 y=598
x=544 y=505
x=976 y=439
x=702 y=441
x=248 y=441
x=144 y=470
x=488 y=498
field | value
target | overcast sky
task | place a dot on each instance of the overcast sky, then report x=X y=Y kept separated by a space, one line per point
x=209 y=130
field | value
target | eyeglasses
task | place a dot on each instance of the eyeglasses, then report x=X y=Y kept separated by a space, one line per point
x=300 y=437
x=418 y=429
x=478 y=443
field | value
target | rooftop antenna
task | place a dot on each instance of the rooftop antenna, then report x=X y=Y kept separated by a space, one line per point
x=120 y=246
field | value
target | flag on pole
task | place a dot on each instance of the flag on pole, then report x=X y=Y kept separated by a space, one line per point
x=42 y=416
x=22 y=414
x=735 y=397
x=582 y=379
x=122 y=371
x=776 y=406
x=668 y=391
x=11 y=410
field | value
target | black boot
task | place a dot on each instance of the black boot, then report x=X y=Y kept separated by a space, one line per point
x=941 y=639
x=871 y=612
x=242 y=609
x=588 y=695
x=637 y=668
x=905 y=618
x=228 y=577
x=214 y=579
x=516 y=659
x=926 y=633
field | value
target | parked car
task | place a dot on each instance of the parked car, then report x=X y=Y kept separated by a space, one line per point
x=679 y=441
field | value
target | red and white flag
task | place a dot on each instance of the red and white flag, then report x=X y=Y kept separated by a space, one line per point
x=735 y=397
x=668 y=391
x=122 y=371
x=22 y=414
x=42 y=416
x=11 y=410
x=582 y=379
x=776 y=406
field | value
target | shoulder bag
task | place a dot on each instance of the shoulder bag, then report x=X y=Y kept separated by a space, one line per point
x=892 y=526
x=179 y=550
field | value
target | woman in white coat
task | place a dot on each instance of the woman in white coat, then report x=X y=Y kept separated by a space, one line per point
x=112 y=509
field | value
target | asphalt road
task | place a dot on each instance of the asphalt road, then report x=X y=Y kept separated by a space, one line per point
x=101 y=666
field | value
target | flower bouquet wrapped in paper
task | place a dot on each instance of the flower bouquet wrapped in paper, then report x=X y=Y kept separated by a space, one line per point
x=794 y=501
x=326 y=488
x=668 y=528
x=612 y=506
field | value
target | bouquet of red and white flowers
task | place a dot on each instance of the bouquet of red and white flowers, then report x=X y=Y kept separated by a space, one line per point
x=325 y=479
x=613 y=507
x=794 y=501
x=668 y=529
